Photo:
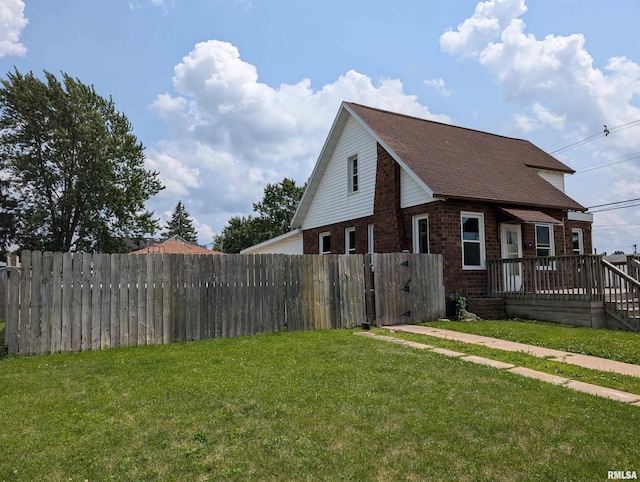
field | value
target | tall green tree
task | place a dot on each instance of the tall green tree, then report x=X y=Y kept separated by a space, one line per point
x=273 y=218
x=75 y=166
x=181 y=224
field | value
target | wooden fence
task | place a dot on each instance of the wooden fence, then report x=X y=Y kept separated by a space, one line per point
x=78 y=301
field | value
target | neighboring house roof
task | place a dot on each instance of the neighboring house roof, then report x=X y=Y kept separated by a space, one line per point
x=452 y=162
x=174 y=245
x=619 y=258
x=290 y=242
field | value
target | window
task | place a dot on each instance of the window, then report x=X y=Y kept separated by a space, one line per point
x=370 y=244
x=353 y=174
x=473 y=254
x=325 y=243
x=350 y=241
x=544 y=240
x=576 y=239
x=421 y=234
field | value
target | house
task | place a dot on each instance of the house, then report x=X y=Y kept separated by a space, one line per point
x=387 y=182
x=174 y=244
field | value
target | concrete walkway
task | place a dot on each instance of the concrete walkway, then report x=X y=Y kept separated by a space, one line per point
x=585 y=361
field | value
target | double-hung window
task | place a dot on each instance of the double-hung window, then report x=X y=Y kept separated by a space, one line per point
x=545 y=245
x=350 y=241
x=577 y=241
x=325 y=243
x=473 y=251
x=420 y=234
x=544 y=240
x=353 y=174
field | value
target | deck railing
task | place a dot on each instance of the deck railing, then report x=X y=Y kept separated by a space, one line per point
x=622 y=293
x=577 y=277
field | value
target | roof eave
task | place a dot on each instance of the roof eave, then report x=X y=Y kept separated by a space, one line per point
x=574 y=207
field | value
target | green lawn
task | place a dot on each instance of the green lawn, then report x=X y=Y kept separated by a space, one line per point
x=626 y=383
x=623 y=346
x=324 y=405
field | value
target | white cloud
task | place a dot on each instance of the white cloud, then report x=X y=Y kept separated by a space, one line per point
x=485 y=26
x=233 y=134
x=541 y=117
x=554 y=83
x=556 y=72
x=439 y=85
x=12 y=21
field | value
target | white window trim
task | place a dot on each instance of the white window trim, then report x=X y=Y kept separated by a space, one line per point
x=580 y=240
x=370 y=242
x=347 y=248
x=321 y=236
x=483 y=255
x=350 y=174
x=415 y=232
x=552 y=247
x=550 y=266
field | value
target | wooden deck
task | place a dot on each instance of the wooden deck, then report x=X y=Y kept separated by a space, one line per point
x=555 y=287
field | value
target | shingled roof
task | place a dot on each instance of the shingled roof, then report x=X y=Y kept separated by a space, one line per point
x=175 y=245
x=460 y=163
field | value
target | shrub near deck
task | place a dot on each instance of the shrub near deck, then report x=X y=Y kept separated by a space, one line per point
x=308 y=405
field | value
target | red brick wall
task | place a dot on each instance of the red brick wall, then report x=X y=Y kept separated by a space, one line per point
x=390 y=235
x=311 y=237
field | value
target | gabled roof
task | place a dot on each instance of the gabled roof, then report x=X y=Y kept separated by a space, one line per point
x=452 y=162
x=175 y=245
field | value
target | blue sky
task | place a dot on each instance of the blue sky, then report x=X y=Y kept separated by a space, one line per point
x=228 y=95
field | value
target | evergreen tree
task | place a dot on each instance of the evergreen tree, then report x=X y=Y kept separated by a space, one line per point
x=181 y=224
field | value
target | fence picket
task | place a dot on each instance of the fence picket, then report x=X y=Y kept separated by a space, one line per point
x=123 y=302
x=45 y=302
x=76 y=302
x=12 y=312
x=36 y=286
x=24 y=328
x=114 y=297
x=56 y=300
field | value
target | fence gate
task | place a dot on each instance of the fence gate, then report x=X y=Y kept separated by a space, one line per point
x=408 y=288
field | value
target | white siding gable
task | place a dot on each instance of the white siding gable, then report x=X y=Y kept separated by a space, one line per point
x=332 y=202
x=289 y=243
x=411 y=193
x=555 y=178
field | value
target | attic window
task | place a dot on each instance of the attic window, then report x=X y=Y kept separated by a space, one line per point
x=353 y=174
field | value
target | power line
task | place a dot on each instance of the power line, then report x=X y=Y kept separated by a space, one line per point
x=596 y=135
x=608 y=227
x=614 y=208
x=611 y=204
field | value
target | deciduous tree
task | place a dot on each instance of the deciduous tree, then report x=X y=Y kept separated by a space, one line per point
x=274 y=215
x=75 y=167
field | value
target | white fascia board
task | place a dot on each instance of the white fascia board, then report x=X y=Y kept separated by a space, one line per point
x=371 y=132
x=578 y=216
